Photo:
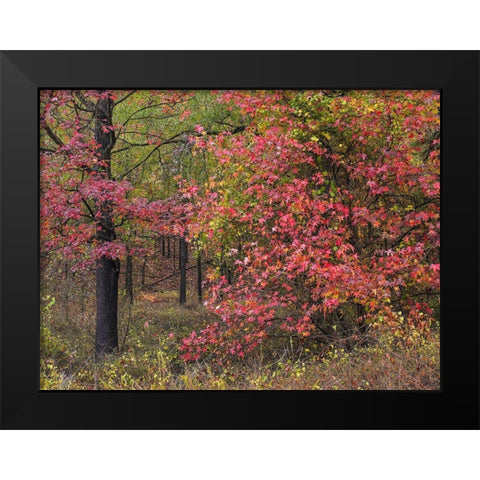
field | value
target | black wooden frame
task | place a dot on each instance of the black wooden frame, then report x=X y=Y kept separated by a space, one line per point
x=23 y=406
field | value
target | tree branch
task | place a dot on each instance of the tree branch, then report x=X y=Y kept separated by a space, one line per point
x=52 y=135
x=125 y=97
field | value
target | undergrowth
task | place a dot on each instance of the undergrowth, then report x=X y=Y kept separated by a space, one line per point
x=149 y=356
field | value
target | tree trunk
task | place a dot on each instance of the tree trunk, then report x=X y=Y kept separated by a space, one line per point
x=129 y=293
x=144 y=267
x=128 y=277
x=173 y=256
x=107 y=299
x=226 y=272
x=183 y=270
x=108 y=269
x=66 y=289
x=199 y=277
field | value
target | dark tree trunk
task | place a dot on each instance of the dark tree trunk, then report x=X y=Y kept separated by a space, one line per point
x=183 y=270
x=199 y=277
x=107 y=295
x=174 y=247
x=163 y=245
x=108 y=269
x=67 y=310
x=226 y=272
x=128 y=278
x=168 y=246
x=144 y=267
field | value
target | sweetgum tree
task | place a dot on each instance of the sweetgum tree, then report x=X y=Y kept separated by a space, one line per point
x=110 y=165
x=325 y=211
x=97 y=199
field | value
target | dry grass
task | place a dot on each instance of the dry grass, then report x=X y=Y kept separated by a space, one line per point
x=150 y=360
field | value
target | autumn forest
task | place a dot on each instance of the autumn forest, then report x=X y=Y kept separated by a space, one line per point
x=240 y=239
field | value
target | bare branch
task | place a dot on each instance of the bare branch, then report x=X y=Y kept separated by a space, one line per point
x=125 y=97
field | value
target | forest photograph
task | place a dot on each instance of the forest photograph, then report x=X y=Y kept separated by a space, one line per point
x=239 y=239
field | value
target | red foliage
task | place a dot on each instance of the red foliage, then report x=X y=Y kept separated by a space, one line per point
x=323 y=203
x=77 y=186
x=324 y=206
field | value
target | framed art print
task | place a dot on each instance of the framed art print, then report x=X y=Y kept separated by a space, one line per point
x=228 y=239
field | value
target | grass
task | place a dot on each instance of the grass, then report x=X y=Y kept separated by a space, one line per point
x=149 y=356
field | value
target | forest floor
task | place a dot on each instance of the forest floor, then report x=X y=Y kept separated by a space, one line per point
x=149 y=355
x=150 y=334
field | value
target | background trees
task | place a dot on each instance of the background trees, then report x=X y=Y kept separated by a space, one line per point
x=316 y=212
